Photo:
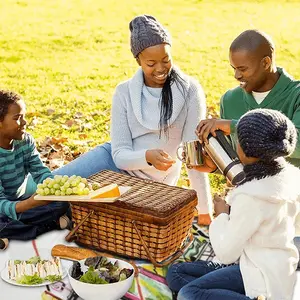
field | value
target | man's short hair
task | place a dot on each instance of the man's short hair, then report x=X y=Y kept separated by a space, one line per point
x=254 y=41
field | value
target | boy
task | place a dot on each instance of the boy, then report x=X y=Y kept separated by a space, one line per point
x=22 y=217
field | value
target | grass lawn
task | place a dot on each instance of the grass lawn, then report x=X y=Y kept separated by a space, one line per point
x=66 y=56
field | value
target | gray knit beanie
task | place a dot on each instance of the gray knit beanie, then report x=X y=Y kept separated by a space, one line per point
x=146 y=32
x=266 y=134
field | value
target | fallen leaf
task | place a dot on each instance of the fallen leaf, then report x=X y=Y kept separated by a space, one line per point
x=83 y=135
x=56 y=147
x=60 y=140
x=78 y=115
x=69 y=123
x=56 y=155
x=55 y=163
x=50 y=111
x=45 y=142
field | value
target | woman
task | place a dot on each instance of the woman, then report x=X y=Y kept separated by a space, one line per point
x=152 y=114
x=258 y=229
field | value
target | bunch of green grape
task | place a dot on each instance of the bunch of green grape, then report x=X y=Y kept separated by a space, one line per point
x=63 y=186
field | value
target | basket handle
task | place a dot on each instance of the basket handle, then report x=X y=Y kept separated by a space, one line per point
x=70 y=235
x=169 y=260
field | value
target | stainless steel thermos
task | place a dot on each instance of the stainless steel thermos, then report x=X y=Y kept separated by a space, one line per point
x=226 y=159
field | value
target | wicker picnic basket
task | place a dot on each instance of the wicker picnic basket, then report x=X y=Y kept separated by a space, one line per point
x=150 y=221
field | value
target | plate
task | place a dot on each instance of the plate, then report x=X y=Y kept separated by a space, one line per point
x=77 y=198
x=4 y=276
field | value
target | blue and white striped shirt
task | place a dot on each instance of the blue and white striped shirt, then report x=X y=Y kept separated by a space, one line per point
x=15 y=165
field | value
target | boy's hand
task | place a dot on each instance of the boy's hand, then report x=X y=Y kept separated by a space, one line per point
x=220 y=206
x=29 y=204
x=159 y=159
x=37 y=203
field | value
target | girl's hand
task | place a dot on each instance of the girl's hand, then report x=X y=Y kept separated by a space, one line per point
x=208 y=164
x=220 y=206
x=159 y=159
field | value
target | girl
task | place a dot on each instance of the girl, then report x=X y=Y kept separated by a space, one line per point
x=261 y=225
x=152 y=114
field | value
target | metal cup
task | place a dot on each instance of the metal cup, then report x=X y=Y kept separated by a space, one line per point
x=193 y=153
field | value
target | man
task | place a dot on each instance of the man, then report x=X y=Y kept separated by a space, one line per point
x=262 y=85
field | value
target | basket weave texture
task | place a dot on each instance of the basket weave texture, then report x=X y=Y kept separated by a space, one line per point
x=151 y=214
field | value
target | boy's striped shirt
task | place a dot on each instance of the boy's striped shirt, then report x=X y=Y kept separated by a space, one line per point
x=15 y=165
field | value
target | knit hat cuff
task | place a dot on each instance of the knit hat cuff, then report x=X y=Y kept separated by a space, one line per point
x=154 y=41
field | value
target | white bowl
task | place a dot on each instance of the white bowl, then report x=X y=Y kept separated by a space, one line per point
x=110 y=291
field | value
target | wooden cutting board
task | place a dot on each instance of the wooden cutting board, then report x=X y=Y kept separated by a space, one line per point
x=85 y=198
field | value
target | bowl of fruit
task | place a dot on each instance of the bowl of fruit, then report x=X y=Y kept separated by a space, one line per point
x=101 y=277
x=76 y=188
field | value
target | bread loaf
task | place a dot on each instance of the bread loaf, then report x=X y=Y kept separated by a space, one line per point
x=72 y=253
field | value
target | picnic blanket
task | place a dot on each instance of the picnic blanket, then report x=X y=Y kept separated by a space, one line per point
x=150 y=284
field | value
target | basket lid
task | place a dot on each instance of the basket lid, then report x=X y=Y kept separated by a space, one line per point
x=146 y=196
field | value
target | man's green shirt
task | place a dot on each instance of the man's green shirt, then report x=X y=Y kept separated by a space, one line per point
x=284 y=96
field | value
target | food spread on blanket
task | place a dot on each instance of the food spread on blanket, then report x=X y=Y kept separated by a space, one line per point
x=76 y=185
x=100 y=271
x=34 y=270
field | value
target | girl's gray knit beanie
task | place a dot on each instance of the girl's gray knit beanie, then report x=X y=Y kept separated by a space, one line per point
x=146 y=32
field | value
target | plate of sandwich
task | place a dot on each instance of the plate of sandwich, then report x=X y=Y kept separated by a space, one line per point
x=33 y=272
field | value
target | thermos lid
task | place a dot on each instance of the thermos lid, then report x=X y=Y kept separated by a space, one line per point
x=239 y=178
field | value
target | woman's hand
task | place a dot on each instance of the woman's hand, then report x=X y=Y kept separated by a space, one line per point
x=159 y=159
x=205 y=127
x=220 y=206
x=30 y=203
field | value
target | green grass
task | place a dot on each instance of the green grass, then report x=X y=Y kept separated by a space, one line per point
x=68 y=55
